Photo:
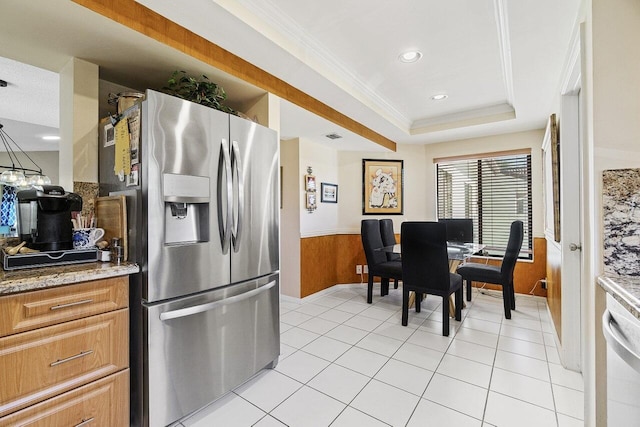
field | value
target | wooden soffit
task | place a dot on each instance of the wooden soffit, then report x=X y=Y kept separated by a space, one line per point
x=143 y=20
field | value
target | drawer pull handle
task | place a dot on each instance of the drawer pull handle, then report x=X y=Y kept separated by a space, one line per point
x=71 y=304
x=85 y=422
x=68 y=359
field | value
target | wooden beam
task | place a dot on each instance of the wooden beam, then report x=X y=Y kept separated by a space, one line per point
x=143 y=20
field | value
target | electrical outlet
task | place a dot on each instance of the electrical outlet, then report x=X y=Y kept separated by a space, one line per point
x=366 y=269
x=358 y=269
x=543 y=283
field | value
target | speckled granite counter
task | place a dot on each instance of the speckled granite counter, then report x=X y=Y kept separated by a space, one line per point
x=624 y=289
x=46 y=277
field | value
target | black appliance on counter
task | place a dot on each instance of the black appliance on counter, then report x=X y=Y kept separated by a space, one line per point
x=44 y=217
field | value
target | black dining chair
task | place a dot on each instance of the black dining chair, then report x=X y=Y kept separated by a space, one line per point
x=498 y=274
x=425 y=269
x=389 y=239
x=377 y=259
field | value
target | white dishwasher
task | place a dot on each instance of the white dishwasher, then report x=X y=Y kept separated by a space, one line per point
x=622 y=332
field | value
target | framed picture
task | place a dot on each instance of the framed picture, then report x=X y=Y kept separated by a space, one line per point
x=328 y=192
x=311 y=201
x=382 y=187
x=554 y=134
x=309 y=183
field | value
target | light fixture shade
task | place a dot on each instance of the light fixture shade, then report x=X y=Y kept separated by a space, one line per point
x=11 y=177
x=39 y=180
x=22 y=184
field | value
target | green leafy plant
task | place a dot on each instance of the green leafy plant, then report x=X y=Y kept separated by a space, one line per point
x=202 y=91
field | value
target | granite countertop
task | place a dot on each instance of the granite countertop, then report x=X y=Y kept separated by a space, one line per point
x=625 y=290
x=30 y=279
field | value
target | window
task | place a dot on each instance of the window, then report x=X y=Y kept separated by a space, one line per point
x=494 y=191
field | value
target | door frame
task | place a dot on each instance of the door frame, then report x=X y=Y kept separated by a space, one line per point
x=572 y=115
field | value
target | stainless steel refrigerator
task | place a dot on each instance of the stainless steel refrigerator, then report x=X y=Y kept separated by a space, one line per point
x=203 y=219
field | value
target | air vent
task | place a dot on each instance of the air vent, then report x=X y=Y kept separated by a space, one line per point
x=333 y=136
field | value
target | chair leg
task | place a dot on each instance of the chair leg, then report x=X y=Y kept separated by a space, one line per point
x=459 y=304
x=418 y=301
x=370 y=289
x=405 y=306
x=384 y=286
x=445 y=315
x=395 y=283
x=513 y=296
x=506 y=297
x=468 y=290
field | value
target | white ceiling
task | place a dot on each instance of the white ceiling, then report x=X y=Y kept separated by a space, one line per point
x=499 y=61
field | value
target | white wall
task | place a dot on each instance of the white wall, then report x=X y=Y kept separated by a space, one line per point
x=350 y=199
x=513 y=141
x=290 y=219
x=323 y=160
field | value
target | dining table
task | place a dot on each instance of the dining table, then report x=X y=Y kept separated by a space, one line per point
x=457 y=253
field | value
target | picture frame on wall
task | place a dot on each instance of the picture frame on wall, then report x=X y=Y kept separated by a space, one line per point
x=311 y=201
x=309 y=182
x=328 y=193
x=382 y=187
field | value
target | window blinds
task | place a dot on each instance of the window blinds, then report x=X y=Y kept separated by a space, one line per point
x=494 y=192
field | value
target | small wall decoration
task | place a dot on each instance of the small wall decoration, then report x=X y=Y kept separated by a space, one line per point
x=328 y=192
x=309 y=181
x=310 y=190
x=382 y=187
x=311 y=202
x=554 y=134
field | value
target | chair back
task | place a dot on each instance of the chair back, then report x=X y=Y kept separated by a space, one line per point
x=458 y=229
x=516 y=234
x=425 y=264
x=372 y=240
x=388 y=237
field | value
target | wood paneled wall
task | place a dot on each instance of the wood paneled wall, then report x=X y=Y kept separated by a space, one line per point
x=329 y=260
x=554 y=284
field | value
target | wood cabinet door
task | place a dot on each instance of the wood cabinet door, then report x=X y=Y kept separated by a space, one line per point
x=102 y=403
x=31 y=310
x=45 y=362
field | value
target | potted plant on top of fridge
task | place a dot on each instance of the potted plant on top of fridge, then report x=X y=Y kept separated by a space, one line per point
x=202 y=91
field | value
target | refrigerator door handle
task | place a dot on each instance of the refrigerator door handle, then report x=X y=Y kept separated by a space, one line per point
x=190 y=311
x=237 y=170
x=224 y=218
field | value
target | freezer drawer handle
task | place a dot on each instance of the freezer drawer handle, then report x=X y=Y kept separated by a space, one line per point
x=189 y=311
x=616 y=341
x=85 y=422
x=69 y=359
x=71 y=304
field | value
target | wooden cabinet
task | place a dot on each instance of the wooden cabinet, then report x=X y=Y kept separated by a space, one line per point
x=64 y=355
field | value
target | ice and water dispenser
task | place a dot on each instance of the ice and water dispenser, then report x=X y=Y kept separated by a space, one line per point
x=186 y=208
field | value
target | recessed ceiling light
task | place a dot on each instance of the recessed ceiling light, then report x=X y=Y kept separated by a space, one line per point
x=51 y=138
x=410 y=56
x=439 y=97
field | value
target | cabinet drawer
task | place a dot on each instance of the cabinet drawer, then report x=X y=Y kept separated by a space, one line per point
x=102 y=403
x=38 y=364
x=31 y=310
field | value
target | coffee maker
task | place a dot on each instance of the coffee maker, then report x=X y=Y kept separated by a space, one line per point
x=44 y=217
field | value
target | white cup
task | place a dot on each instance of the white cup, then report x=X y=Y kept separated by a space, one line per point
x=86 y=237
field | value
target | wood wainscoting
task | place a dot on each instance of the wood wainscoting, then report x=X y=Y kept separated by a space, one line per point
x=332 y=259
x=554 y=285
x=328 y=260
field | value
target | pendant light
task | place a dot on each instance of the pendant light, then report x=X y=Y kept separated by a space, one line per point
x=17 y=175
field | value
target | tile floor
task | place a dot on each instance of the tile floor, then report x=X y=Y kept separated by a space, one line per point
x=345 y=363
